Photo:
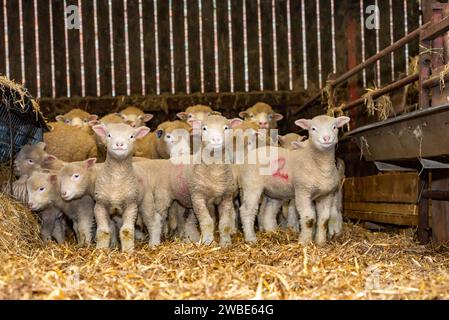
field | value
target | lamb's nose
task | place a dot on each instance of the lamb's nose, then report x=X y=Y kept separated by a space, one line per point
x=30 y=205
x=263 y=124
x=327 y=138
x=119 y=144
x=63 y=193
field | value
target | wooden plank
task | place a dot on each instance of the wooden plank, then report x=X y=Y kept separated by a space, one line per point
x=398 y=30
x=194 y=45
x=14 y=42
x=266 y=14
x=2 y=42
x=384 y=40
x=413 y=23
x=237 y=45
x=382 y=217
x=134 y=47
x=326 y=39
x=370 y=49
x=179 y=46
x=297 y=52
x=74 y=58
x=90 y=76
x=282 y=45
x=149 y=41
x=58 y=48
x=164 y=45
x=390 y=187
x=312 y=45
x=252 y=45
x=45 y=47
x=208 y=45
x=30 y=51
x=104 y=43
x=440 y=209
x=118 y=39
x=223 y=46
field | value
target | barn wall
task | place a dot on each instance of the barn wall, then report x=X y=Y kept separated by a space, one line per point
x=152 y=47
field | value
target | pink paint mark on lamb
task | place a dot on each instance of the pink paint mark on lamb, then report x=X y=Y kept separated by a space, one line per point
x=278 y=165
x=181 y=179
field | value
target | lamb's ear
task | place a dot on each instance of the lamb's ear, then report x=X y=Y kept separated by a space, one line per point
x=277 y=117
x=159 y=133
x=215 y=113
x=50 y=159
x=281 y=138
x=146 y=117
x=92 y=117
x=243 y=114
x=41 y=145
x=94 y=123
x=297 y=144
x=60 y=118
x=182 y=115
x=235 y=122
x=100 y=130
x=90 y=162
x=53 y=179
x=341 y=121
x=141 y=132
x=304 y=123
x=196 y=127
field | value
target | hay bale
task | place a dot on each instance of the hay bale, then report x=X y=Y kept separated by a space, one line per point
x=19 y=228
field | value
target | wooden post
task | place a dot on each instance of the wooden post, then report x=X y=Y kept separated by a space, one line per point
x=423 y=213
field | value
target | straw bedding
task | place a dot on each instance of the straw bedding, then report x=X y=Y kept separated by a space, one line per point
x=359 y=265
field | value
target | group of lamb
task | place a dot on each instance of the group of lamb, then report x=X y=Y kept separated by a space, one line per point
x=112 y=178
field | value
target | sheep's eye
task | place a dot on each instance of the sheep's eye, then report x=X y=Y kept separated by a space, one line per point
x=67 y=121
x=335 y=127
x=86 y=120
x=131 y=137
x=109 y=135
x=226 y=128
x=204 y=128
x=30 y=161
x=41 y=189
x=251 y=116
x=190 y=116
x=313 y=129
x=76 y=176
x=168 y=136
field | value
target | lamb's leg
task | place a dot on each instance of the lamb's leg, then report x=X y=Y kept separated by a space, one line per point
x=190 y=228
x=204 y=218
x=225 y=210
x=292 y=217
x=59 y=230
x=85 y=226
x=155 y=213
x=234 y=222
x=323 y=207
x=271 y=211
x=307 y=217
x=260 y=214
x=114 y=234
x=248 y=212
x=127 y=230
x=336 y=218
x=103 y=228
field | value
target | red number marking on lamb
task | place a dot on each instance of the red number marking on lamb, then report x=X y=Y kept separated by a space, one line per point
x=280 y=164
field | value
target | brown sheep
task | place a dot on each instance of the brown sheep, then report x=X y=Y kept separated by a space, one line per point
x=262 y=114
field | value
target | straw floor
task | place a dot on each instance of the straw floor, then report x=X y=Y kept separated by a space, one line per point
x=359 y=265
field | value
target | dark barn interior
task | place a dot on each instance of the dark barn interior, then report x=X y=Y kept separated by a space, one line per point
x=383 y=63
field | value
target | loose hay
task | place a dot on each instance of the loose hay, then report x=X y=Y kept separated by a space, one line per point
x=359 y=265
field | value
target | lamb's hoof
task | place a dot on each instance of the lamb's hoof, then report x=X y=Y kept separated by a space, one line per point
x=305 y=241
x=127 y=240
x=251 y=239
x=208 y=239
x=127 y=246
x=140 y=236
x=225 y=242
x=103 y=240
x=154 y=243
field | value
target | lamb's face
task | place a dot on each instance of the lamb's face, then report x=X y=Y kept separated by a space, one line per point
x=265 y=120
x=77 y=118
x=196 y=113
x=290 y=140
x=120 y=138
x=323 y=130
x=75 y=179
x=215 y=130
x=40 y=187
x=29 y=159
x=136 y=120
x=176 y=140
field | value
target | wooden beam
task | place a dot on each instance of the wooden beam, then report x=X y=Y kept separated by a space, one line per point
x=436 y=30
